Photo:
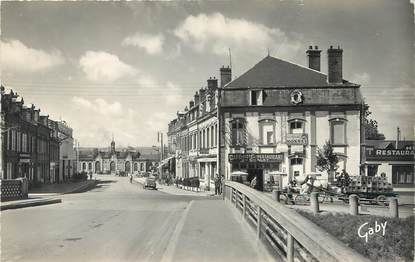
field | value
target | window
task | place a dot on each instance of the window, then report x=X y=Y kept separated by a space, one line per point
x=270 y=136
x=403 y=174
x=267 y=131
x=13 y=140
x=9 y=139
x=19 y=144
x=337 y=130
x=296 y=161
x=296 y=127
x=216 y=135
x=212 y=136
x=89 y=166
x=238 y=132
x=207 y=137
x=203 y=137
x=257 y=97
x=83 y=166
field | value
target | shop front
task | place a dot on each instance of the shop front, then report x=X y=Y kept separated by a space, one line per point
x=258 y=166
x=396 y=163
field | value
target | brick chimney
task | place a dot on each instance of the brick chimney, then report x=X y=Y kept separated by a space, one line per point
x=212 y=83
x=313 y=57
x=225 y=75
x=335 y=65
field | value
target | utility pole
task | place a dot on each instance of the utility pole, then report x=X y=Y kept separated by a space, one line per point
x=219 y=157
x=398 y=137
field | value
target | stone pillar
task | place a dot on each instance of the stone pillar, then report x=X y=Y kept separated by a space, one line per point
x=354 y=205
x=314 y=202
x=393 y=207
x=276 y=195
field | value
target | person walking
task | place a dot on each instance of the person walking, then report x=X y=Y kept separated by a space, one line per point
x=217 y=184
x=131 y=178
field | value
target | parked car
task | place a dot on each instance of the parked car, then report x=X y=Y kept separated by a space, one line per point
x=150 y=182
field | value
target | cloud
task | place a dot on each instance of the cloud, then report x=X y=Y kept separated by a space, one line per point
x=362 y=79
x=152 y=44
x=102 y=66
x=216 y=33
x=99 y=106
x=96 y=120
x=17 y=57
x=174 y=96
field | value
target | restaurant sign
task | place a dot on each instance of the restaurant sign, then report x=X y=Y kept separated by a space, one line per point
x=236 y=157
x=297 y=139
x=406 y=154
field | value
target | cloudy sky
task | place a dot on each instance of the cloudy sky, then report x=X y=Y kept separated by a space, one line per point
x=128 y=67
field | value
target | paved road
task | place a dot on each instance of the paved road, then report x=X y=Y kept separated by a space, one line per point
x=119 y=221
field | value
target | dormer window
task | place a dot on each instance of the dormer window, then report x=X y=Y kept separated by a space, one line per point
x=257 y=97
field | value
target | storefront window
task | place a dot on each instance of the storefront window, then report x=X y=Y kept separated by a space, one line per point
x=372 y=170
x=403 y=174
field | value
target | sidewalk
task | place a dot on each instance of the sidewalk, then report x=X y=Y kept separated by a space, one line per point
x=220 y=235
x=47 y=194
x=173 y=190
x=64 y=188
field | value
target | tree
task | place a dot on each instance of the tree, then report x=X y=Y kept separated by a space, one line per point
x=371 y=125
x=327 y=160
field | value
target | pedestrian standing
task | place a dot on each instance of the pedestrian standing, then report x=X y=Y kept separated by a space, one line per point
x=217 y=184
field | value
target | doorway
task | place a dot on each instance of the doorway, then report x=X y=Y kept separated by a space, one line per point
x=259 y=174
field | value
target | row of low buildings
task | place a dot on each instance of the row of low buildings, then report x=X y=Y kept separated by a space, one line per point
x=274 y=117
x=106 y=161
x=32 y=145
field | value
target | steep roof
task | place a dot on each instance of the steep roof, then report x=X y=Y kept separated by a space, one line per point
x=389 y=144
x=274 y=72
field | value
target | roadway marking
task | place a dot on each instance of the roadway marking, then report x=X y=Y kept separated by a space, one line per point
x=174 y=240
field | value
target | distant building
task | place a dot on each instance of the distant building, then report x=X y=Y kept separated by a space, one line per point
x=114 y=161
x=30 y=141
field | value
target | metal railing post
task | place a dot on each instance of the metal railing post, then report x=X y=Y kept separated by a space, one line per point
x=259 y=222
x=290 y=248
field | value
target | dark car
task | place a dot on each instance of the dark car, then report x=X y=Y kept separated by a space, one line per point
x=150 y=182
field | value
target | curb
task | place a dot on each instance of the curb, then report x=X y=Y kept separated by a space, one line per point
x=81 y=188
x=40 y=202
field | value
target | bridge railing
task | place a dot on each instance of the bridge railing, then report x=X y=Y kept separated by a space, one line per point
x=292 y=236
